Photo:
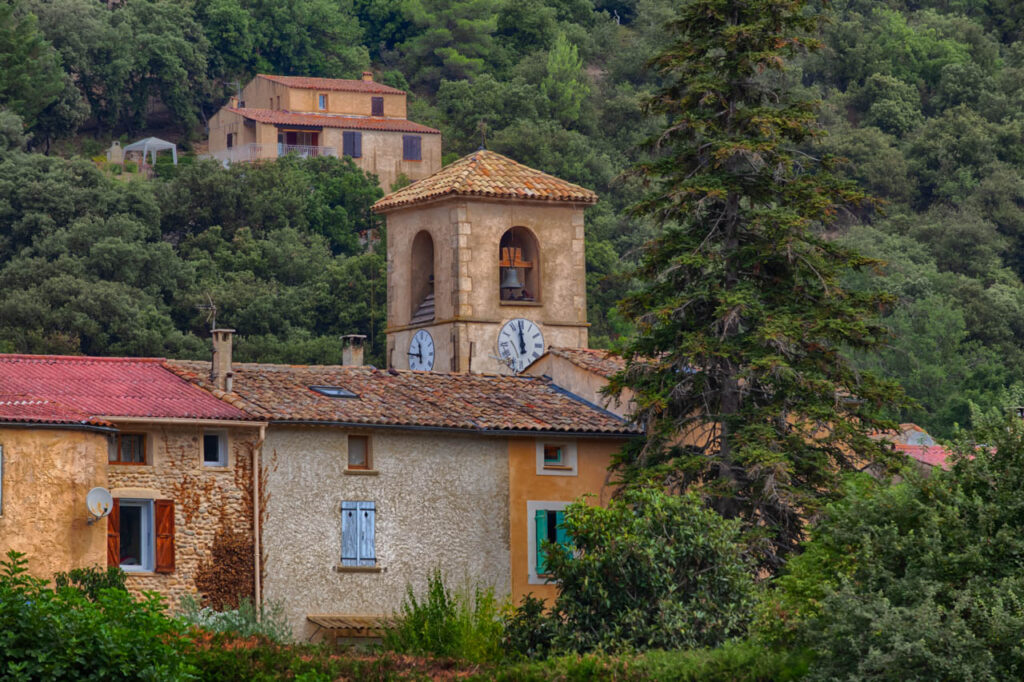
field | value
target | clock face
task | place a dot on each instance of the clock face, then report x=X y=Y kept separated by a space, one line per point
x=520 y=343
x=421 y=351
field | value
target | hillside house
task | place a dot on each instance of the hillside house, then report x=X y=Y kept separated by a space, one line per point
x=361 y=119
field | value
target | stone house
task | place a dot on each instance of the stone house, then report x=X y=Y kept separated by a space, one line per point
x=361 y=119
x=177 y=461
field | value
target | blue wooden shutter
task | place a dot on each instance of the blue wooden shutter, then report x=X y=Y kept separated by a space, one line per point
x=411 y=148
x=367 y=551
x=349 y=534
x=352 y=144
x=541 y=522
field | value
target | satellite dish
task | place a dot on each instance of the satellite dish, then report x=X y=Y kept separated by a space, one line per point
x=99 y=501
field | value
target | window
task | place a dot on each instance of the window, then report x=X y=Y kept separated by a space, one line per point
x=140 y=535
x=231 y=140
x=545 y=524
x=321 y=102
x=279 y=101
x=376 y=106
x=352 y=143
x=215 y=449
x=556 y=458
x=411 y=150
x=357 y=541
x=358 y=452
x=333 y=391
x=128 y=448
x=421 y=278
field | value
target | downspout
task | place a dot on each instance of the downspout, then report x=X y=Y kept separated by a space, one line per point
x=256 y=450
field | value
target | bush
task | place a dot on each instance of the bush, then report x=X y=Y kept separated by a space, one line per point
x=115 y=168
x=528 y=629
x=448 y=623
x=91 y=580
x=62 y=635
x=246 y=621
x=649 y=571
x=130 y=167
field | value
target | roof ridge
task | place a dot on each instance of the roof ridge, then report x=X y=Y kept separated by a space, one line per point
x=78 y=358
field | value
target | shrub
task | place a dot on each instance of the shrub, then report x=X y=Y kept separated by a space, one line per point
x=115 y=168
x=91 y=580
x=246 y=621
x=448 y=623
x=130 y=167
x=528 y=629
x=651 y=570
x=62 y=635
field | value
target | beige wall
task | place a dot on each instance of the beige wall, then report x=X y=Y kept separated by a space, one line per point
x=526 y=485
x=441 y=501
x=46 y=476
x=207 y=500
x=382 y=155
x=260 y=93
x=586 y=385
x=466 y=235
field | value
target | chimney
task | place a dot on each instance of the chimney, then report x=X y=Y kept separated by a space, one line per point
x=368 y=76
x=352 y=349
x=220 y=368
x=233 y=102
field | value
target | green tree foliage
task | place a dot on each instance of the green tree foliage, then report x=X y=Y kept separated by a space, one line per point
x=741 y=316
x=649 y=571
x=30 y=74
x=920 y=580
x=89 y=264
x=563 y=87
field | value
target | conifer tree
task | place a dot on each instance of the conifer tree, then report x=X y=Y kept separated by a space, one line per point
x=737 y=362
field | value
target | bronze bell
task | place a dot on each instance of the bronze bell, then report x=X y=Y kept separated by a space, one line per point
x=510 y=279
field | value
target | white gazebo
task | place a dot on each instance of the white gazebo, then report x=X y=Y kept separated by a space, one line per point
x=152 y=145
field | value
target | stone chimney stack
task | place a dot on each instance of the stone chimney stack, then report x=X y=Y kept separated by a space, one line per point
x=352 y=349
x=368 y=76
x=233 y=102
x=220 y=369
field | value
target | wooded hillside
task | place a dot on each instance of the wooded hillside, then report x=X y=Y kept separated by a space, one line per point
x=925 y=99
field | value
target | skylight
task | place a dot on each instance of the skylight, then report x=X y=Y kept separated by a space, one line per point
x=334 y=391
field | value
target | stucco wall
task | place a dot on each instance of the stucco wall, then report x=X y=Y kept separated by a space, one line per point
x=261 y=93
x=586 y=385
x=525 y=485
x=466 y=236
x=441 y=501
x=206 y=499
x=46 y=476
x=382 y=154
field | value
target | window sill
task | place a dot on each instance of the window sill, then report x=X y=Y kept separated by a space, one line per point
x=359 y=569
x=529 y=304
x=216 y=467
x=558 y=467
x=361 y=472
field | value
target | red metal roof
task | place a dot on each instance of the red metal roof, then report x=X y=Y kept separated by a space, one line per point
x=343 y=84
x=281 y=117
x=66 y=389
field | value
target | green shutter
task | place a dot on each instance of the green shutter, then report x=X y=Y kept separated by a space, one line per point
x=561 y=537
x=541 y=522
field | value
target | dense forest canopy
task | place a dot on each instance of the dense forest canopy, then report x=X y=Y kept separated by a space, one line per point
x=925 y=100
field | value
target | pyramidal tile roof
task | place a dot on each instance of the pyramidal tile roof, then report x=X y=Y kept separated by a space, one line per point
x=487 y=174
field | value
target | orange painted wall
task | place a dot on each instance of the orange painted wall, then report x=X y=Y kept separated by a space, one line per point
x=593 y=458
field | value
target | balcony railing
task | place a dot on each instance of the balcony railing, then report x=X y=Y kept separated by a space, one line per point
x=305 y=150
x=240 y=154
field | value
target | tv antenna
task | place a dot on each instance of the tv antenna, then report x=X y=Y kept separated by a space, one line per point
x=211 y=311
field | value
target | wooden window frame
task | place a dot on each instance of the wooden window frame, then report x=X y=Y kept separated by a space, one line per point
x=369 y=453
x=534 y=543
x=117 y=449
x=159 y=545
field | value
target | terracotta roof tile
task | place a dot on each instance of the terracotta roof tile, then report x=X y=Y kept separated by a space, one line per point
x=472 y=402
x=84 y=388
x=601 y=362
x=487 y=174
x=281 y=117
x=933 y=455
x=342 y=84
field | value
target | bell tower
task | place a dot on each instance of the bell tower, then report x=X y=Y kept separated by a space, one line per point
x=486 y=267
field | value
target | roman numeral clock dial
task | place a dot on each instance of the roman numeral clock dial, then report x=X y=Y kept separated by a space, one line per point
x=421 y=351
x=520 y=342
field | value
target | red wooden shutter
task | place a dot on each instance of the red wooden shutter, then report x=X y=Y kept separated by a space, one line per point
x=114 y=535
x=164 y=511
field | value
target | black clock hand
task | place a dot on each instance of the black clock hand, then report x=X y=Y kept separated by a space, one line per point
x=522 y=341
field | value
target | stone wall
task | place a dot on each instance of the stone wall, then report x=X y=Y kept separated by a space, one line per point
x=210 y=505
x=441 y=501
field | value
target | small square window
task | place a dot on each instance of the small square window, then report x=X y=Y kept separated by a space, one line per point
x=321 y=102
x=128 y=448
x=358 y=452
x=215 y=449
x=552 y=454
x=556 y=459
